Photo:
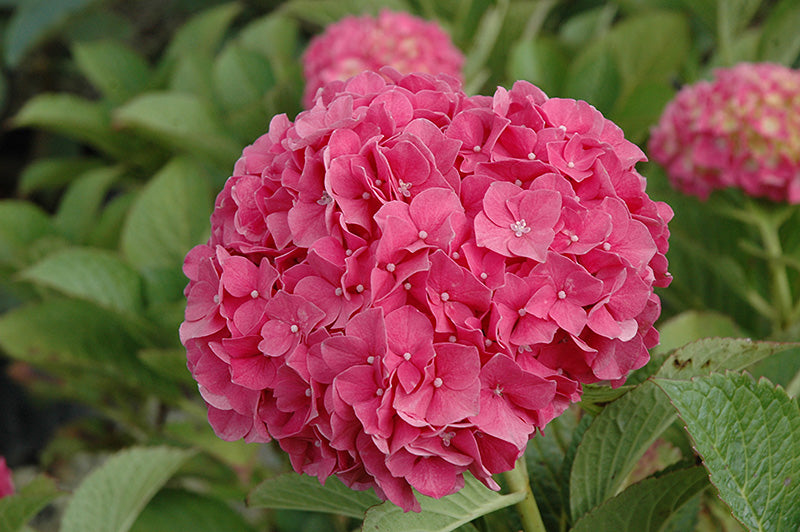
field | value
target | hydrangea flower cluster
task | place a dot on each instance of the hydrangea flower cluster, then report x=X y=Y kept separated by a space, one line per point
x=6 y=482
x=399 y=40
x=741 y=129
x=406 y=283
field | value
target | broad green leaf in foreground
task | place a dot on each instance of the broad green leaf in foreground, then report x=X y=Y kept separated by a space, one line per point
x=302 y=492
x=169 y=217
x=647 y=505
x=174 y=510
x=694 y=325
x=111 y=497
x=440 y=515
x=717 y=354
x=91 y=274
x=613 y=444
x=748 y=434
x=18 y=509
x=545 y=457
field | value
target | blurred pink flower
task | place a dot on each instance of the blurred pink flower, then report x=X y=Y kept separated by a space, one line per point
x=741 y=129
x=396 y=307
x=6 y=482
x=399 y=40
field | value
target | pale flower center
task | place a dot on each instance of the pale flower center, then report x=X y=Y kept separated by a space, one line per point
x=404 y=188
x=520 y=228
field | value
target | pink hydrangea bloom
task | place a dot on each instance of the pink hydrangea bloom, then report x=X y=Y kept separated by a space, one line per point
x=399 y=40
x=741 y=129
x=394 y=309
x=6 y=482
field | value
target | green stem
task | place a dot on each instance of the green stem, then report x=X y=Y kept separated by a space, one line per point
x=518 y=481
x=779 y=278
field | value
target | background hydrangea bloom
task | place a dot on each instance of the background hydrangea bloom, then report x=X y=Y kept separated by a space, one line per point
x=406 y=283
x=6 y=482
x=741 y=129
x=399 y=40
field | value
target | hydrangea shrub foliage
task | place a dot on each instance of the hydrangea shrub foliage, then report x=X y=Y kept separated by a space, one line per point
x=416 y=287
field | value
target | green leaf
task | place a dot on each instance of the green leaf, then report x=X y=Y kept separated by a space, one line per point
x=594 y=76
x=704 y=10
x=598 y=393
x=193 y=74
x=484 y=40
x=710 y=355
x=239 y=455
x=241 y=76
x=17 y=509
x=169 y=217
x=545 y=458
x=99 y=22
x=440 y=515
x=33 y=21
x=323 y=12
x=112 y=496
x=44 y=173
x=733 y=16
x=203 y=32
x=77 y=214
x=647 y=505
x=275 y=37
x=69 y=335
x=113 y=68
x=302 y=492
x=74 y=117
x=780 y=40
x=91 y=274
x=541 y=61
x=21 y=224
x=578 y=30
x=666 y=34
x=180 y=121
x=641 y=109
x=748 y=435
x=173 y=509
x=107 y=228
x=693 y=325
x=169 y=363
x=613 y=443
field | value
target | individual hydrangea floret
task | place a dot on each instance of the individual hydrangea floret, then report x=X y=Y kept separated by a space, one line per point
x=741 y=129
x=6 y=482
x=395 y=39
x=405 y=284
